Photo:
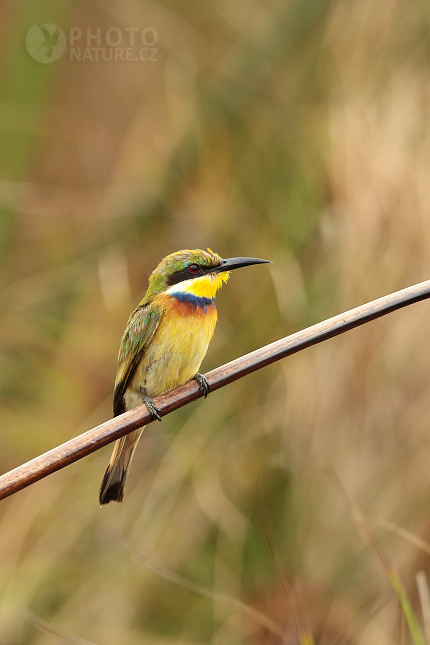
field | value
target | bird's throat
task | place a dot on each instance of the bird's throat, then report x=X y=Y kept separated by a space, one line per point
x=203 y=287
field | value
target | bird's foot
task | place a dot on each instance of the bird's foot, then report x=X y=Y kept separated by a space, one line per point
x=152 y=408
x=203 y=383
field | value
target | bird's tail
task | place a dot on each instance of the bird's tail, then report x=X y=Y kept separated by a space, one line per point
x=113 y=483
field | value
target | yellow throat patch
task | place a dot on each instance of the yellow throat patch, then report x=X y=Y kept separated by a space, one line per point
x=205 y=286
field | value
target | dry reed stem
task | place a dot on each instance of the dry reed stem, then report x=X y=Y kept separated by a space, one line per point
x=97 y=437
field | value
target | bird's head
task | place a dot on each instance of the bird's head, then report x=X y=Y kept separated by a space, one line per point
x=198 y=272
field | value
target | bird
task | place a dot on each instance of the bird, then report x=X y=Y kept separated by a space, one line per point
x=51 y=40
x=164 y=343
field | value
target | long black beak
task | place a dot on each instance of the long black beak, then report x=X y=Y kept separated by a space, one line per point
x=236 y=263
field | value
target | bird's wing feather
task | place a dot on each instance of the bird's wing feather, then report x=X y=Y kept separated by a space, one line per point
x=54 y=38
x=140 y=329
x=45 y=32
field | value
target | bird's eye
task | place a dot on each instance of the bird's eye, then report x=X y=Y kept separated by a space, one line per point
x=194 y=268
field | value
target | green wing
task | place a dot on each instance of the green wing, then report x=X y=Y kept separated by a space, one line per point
x=140 y=329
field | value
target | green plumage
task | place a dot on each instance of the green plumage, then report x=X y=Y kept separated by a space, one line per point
x=140 y=329
x=164 y=344
x=177 y=262
x=144 y=320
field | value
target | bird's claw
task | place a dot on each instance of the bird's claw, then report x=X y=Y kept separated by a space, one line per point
x=203 y=383
x=152 y=408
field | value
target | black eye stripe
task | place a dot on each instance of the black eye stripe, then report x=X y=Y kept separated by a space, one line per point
x=186 y=274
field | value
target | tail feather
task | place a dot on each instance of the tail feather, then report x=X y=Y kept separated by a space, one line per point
x=113 y=483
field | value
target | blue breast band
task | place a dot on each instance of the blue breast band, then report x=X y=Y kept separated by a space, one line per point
x=197 y=301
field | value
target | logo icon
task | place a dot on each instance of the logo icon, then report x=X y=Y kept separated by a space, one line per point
x=45 y=43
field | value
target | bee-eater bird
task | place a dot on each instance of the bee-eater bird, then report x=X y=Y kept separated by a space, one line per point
x=165 y=341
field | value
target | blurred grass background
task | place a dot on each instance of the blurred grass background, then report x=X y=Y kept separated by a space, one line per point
x=296 y=131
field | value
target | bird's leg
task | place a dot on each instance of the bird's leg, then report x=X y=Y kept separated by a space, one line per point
x=203 y=383
x=152 y=408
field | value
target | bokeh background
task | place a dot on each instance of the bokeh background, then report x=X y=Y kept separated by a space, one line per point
x=296 y=131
